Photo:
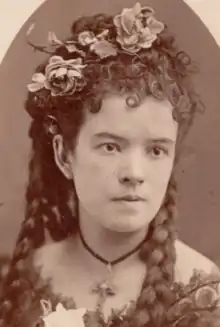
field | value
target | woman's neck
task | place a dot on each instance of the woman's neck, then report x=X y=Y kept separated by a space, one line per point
x=108 y=244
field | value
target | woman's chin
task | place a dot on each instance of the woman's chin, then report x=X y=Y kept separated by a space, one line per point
x=127 y=225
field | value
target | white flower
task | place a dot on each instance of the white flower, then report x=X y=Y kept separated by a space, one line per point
x=65 y=318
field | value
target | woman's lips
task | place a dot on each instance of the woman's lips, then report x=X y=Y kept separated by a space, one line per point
x=129 y=203
x=130 y=198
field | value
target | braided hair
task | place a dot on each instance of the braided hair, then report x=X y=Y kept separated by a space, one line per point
x=51 y=201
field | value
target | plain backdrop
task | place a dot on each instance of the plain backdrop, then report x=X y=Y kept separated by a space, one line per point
x=15 y=13
x=198 y=175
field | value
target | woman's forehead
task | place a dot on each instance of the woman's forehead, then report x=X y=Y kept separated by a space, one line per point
x=152 y=118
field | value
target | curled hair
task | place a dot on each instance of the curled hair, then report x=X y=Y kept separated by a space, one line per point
x=162 y=71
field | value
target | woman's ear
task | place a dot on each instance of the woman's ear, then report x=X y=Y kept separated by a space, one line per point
x=61 y=156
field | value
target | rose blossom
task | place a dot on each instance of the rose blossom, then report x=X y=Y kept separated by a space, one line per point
x=137 y=28
x=62 y=77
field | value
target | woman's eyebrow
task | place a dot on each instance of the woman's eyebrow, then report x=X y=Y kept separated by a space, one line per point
x=110 y=135
x=116 y=137
x=162 y=140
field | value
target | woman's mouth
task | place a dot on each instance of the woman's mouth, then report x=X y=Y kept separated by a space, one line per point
x=129 y=198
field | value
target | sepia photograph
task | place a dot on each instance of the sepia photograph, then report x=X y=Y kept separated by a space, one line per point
x=109 y=166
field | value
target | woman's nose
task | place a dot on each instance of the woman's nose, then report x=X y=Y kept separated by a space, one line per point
x=132 y=172
x=131 y=180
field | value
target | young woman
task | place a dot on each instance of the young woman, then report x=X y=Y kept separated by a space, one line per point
x=110 y=108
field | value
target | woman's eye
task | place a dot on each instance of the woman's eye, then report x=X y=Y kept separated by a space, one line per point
x=110 y=147
x=158 y=152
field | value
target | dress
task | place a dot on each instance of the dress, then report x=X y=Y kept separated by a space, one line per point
x=38 y=300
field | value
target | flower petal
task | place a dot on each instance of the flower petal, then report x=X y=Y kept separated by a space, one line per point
x=74 y=62
x=70 y=86
x=61 y=316
x=131 y=48
x=81 y=311
x=79 y=67
x=56 y=59
x=51 y=74
x=60 y=308
x=46 y=306
x=61 y=71
x=74 y=73
x=147 y=39
x=127 y=21
x=147 y=11
x=34 y=87
x=131 y=40
x=52 y=67
x=117 y=21
x=38 y=77
x=136 y=9
x=155 y=25
x=146 y=33
x=47 y=85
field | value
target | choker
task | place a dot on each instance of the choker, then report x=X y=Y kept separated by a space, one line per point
x=106 y=287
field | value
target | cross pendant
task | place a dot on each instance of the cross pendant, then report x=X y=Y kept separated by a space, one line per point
x=104 y=289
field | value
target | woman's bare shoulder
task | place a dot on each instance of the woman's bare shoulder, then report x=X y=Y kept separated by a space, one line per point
x=188 y=259
x=52 y=255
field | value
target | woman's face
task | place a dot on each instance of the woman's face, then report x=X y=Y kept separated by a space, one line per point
x=124 y=152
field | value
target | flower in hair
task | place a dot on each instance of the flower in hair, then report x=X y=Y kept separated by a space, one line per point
x=97 y=43
x=69 y=45
x=62 y=317
x=134 y=29
x=137 y=28
x=62 y=77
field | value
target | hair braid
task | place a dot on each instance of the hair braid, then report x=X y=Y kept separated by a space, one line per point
x=43 y=212
x=159 y=255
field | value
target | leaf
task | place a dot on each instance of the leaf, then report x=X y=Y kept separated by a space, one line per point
x=30 y=29
x=76 y=62
x=103 y=49
x=86 y=38
x=70 y=46
x=103 y=34
x=56 y=59
x=53 y=40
